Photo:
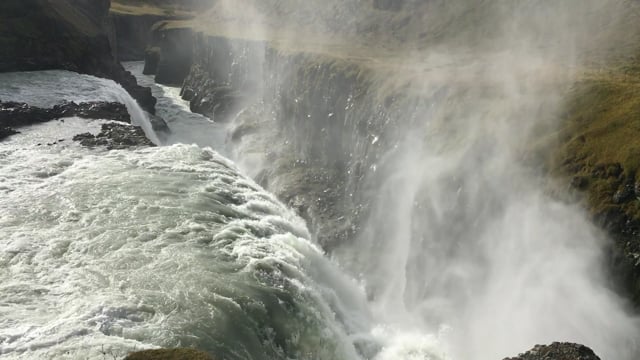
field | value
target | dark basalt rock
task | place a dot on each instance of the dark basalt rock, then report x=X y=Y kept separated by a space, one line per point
x=216 y=101
x=558 y=351
x=175 y=56
x=94 y=110
x=6 y=131
x=158 y=124
x=151 y=60
x=115 y=136
x=64 y=34
x=15 y=114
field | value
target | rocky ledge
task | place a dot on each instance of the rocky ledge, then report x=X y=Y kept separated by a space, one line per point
x=17 y=114
x=115 y=136
x=558 y=351
x=169 y=354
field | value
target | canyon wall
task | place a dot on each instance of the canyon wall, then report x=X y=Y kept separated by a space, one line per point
x=317 y=127
x=67 y=34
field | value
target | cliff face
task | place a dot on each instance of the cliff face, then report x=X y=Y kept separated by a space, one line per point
x=312 y=158
x=316 y=125
x=66 y=34
x=133 y=34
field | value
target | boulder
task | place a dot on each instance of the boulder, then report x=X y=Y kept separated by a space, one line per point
x=115 y=136
x=558 y=351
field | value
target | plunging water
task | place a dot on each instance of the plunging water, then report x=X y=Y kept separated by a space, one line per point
x=107 y=252
x=464 y=257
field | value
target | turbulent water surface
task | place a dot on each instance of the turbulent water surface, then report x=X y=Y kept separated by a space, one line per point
x=463 y=254
x=105 y=252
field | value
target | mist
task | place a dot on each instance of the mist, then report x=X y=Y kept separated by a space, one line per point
x=463 y=252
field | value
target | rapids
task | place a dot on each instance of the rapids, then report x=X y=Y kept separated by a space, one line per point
x=106 y=252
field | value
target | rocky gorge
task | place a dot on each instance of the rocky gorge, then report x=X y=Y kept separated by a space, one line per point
x=337 y=141
x=318 y=125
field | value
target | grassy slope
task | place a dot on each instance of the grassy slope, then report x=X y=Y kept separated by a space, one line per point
x=599 y=149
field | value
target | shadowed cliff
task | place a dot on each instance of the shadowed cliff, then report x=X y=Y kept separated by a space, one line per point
x=63 y=34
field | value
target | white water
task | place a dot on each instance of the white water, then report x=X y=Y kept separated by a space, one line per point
x=49 y=88
x=185 y=127
x=105 y=252
x=463 y=242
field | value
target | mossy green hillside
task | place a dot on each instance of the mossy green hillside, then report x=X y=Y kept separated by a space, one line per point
x=598 y=151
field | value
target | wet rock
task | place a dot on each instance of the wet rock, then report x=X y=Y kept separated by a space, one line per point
x=15 y=114
x=624 y=194
x=158 y=124
x=93 y=110
x=218 y=103
x=558 y=351
x=115 y=136
x=6 y=131
x=151 y=60
x=187 y=94
x=176 y=54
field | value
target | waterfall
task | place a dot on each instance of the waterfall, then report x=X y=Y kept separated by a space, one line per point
x=43 y=88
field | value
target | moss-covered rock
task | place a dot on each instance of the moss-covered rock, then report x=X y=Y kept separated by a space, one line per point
x=599 y=156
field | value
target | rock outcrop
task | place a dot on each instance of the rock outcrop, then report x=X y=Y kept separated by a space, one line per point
x=115 y=136
x=558 y=351
x=65 y=34
x=322 y=143
x=333 y=122
x=169 y=55
x=15 y=114
x=133 y=34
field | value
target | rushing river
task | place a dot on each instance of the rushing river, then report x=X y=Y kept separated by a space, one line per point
x=105 y=252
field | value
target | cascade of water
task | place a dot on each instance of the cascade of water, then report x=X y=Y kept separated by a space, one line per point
x=167 y=246
x=138 y=116
x=463 y=248
x=462 y=236
x=42 y=88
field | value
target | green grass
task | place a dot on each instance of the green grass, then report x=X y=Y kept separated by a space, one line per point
x=599 y=145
